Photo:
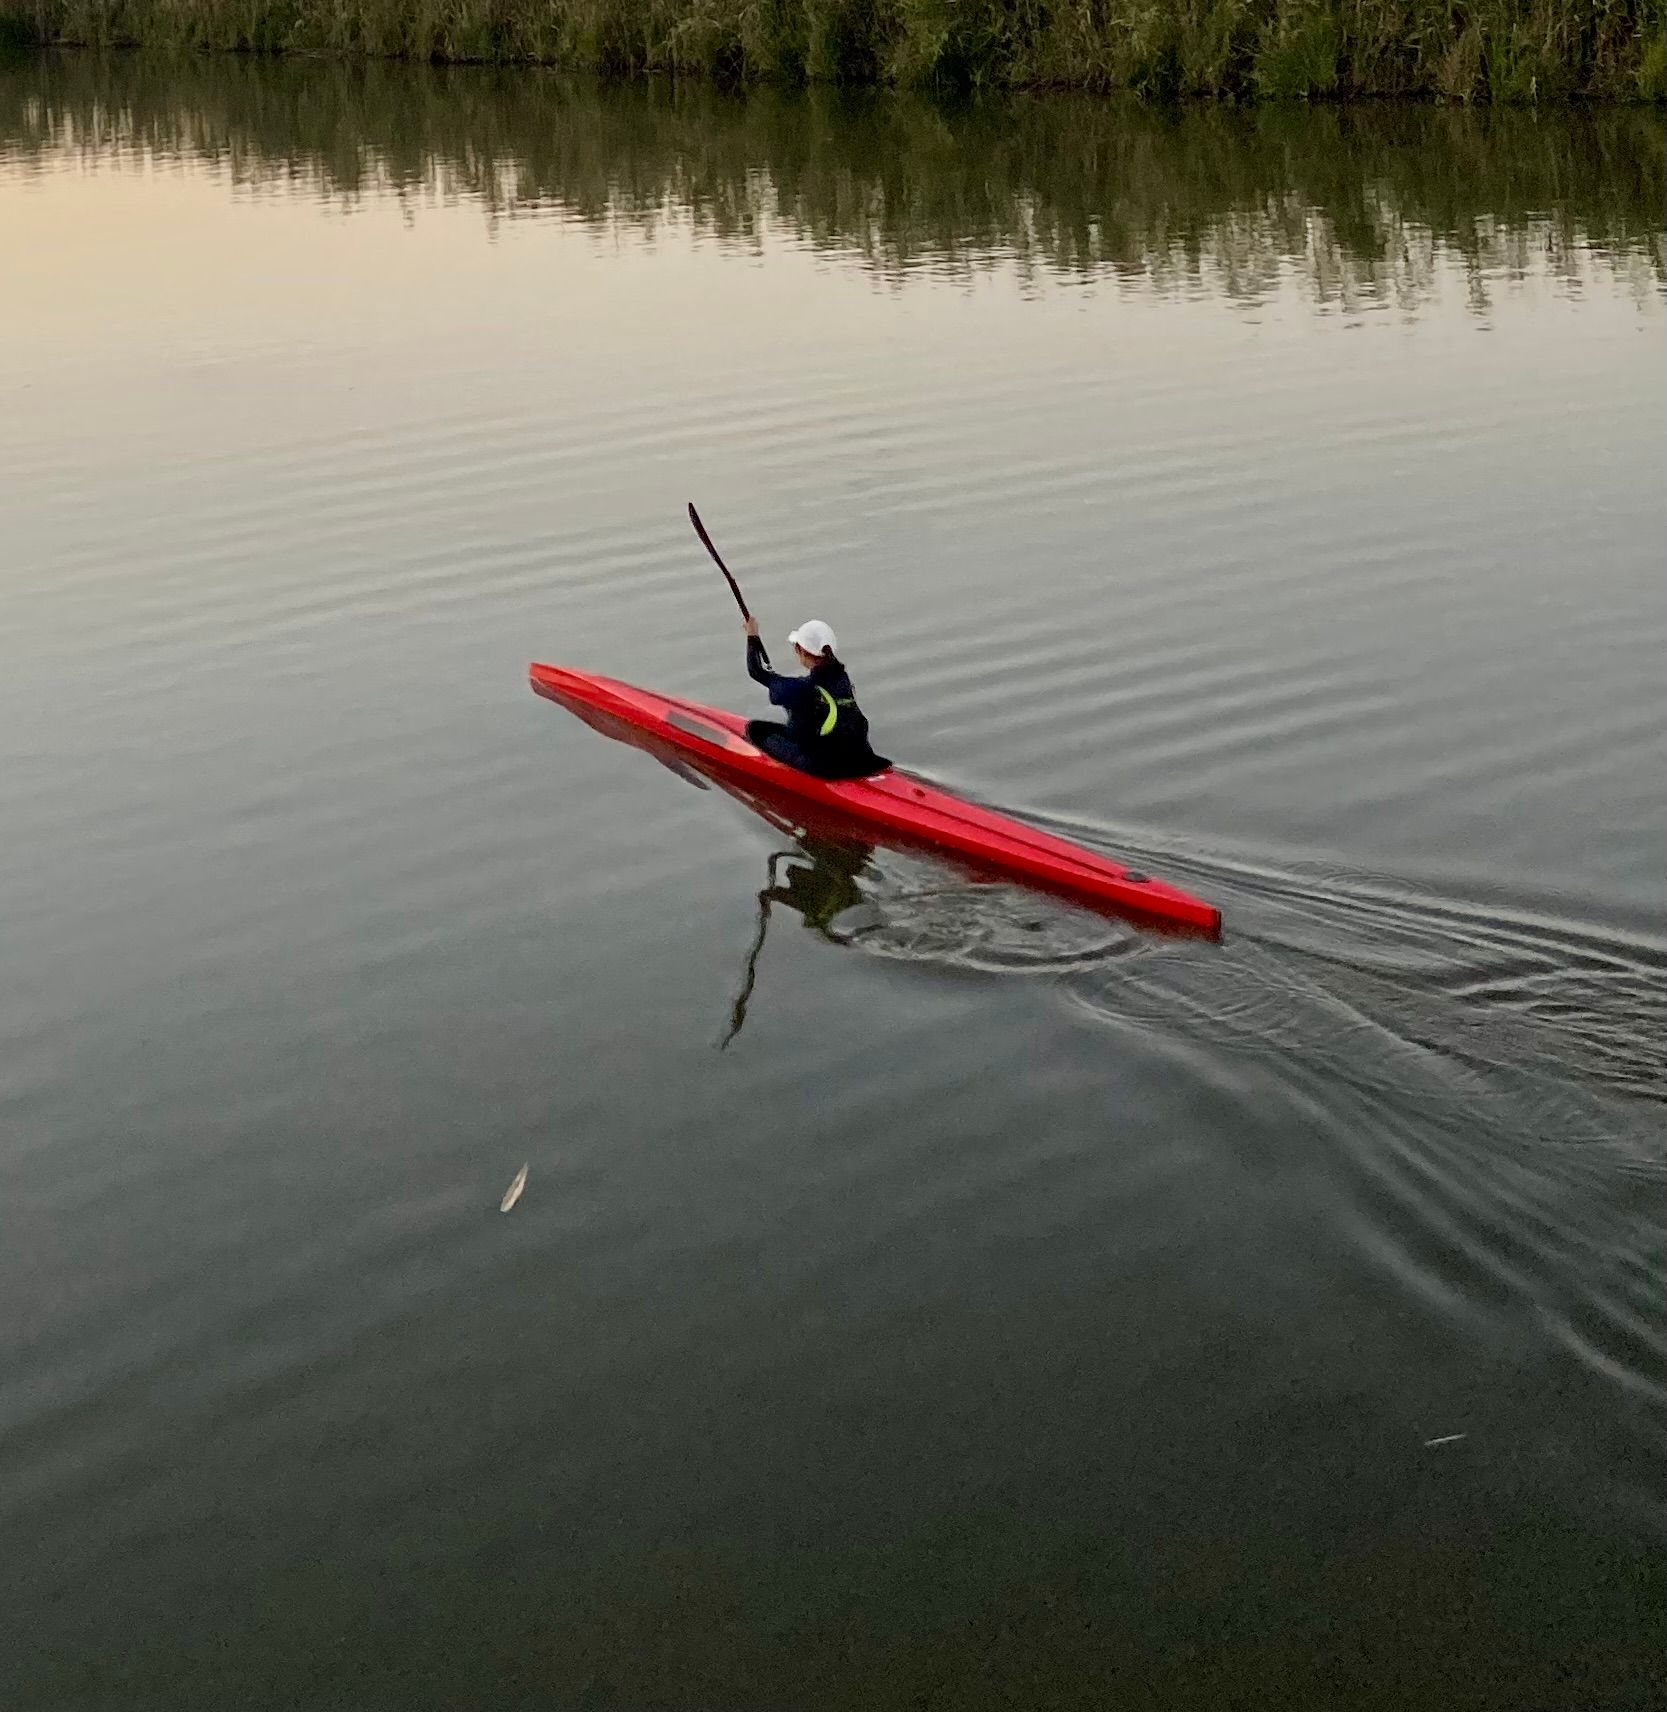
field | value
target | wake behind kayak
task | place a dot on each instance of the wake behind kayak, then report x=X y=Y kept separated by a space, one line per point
x=893 y=805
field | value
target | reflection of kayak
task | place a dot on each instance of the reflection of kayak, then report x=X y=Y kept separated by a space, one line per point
x=892 y=806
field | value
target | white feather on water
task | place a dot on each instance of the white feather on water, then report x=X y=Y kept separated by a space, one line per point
x=513 y=1193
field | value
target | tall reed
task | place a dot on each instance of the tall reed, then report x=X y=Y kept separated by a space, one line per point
x=1516 y=51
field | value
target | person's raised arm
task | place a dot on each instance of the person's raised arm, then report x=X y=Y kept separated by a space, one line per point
x=758 y=666
x=784 y=692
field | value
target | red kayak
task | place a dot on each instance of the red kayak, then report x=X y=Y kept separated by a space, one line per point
x=894 y=806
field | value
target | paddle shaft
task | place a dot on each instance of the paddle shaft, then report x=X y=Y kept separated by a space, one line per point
x=718 y=560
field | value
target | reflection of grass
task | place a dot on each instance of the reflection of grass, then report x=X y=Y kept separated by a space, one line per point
x=1359 y=201
x=1503 y=50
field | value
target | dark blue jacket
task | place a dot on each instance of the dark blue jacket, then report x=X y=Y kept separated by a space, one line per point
x=824 y=722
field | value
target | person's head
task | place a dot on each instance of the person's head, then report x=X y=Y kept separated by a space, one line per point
x=814 y=642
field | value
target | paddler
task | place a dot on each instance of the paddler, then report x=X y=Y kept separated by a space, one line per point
x=825 y=733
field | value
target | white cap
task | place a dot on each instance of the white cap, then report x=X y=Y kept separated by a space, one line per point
x=814 y=637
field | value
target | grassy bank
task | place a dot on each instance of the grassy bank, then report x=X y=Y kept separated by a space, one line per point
x=1511 y=51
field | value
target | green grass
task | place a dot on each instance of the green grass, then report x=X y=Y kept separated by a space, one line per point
x=1507 y=51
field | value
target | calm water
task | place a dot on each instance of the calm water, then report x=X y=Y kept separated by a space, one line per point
x=1021 y=1310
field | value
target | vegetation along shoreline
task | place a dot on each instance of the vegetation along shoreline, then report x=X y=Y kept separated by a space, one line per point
x=1504 y=51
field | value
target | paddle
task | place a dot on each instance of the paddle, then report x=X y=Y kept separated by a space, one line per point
x=718 y=560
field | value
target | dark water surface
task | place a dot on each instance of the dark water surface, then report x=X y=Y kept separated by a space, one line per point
x=1022 y=1310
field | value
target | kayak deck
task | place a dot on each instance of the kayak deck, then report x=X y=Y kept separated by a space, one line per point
x=892 y=804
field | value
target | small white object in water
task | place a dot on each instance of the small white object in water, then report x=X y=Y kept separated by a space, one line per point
x=1449 y=1438
x=513 y=1193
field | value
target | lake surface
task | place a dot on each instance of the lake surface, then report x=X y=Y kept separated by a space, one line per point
x=1022 y=1309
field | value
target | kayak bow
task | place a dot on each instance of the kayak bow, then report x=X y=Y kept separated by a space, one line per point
x=893 y=806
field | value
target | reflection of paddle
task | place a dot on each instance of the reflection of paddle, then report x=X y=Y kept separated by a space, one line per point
x=718 y=560
x=820 y=884
x=738 y=1011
